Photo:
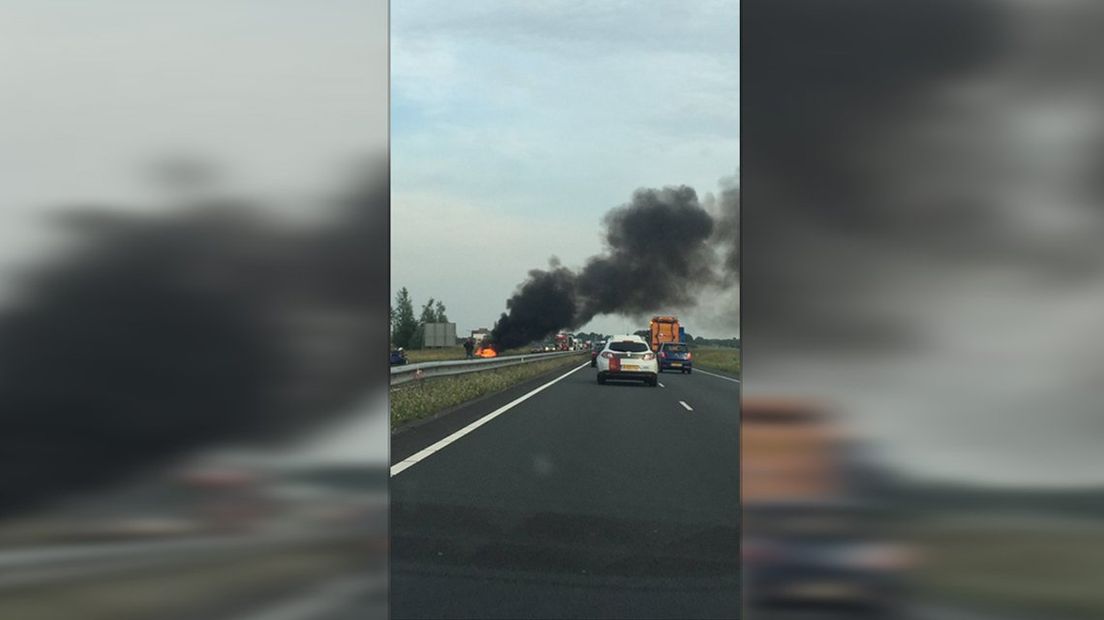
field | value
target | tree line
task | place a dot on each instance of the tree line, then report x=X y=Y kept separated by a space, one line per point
x=408 y=330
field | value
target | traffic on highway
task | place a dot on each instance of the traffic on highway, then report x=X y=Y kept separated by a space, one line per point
x=594 y=492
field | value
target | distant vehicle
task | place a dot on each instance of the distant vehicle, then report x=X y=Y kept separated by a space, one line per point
x=665 y=329
x=675 y=356
x=628 y=357
x=398 y=357
x=594 y=351
x=564 y=342
x=810 y=540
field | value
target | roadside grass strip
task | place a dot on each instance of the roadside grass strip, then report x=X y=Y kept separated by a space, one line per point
x=717 y=358
x=419 y=399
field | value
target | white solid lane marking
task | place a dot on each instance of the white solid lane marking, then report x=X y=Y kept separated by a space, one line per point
x=413 y=459
x=718 y=376
x=688 y=407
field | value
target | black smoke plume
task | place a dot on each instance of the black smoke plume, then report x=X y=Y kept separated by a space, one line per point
x=159 y=335
x=662 y=249
x=726 y=234
x=835 y=96
x=543 y=304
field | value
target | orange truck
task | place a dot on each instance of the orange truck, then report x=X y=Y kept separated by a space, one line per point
x=790 y=450
x=665 y=329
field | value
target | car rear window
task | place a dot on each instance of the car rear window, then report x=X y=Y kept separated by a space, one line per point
x=628 y=346
x=675 y=348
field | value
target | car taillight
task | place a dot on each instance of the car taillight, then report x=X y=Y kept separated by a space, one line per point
x=662 y=354
x=608 y=355
x=650 y=356
x=689 y=356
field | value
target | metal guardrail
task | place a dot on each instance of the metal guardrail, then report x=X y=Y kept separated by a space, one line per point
x=425 y=370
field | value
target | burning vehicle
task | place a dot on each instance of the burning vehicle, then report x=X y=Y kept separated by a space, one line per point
x=486 y=350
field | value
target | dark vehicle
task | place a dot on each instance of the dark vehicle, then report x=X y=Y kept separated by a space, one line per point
x=822 y=555
x=594 y=351
x=398 y=357
x=675 y=356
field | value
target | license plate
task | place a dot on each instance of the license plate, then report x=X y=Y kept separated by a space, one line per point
x=630 y=367
x=676 y=364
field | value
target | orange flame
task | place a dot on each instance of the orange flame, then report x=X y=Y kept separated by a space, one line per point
x=486 y=352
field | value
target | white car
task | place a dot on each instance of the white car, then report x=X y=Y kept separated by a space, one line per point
x=628 y=357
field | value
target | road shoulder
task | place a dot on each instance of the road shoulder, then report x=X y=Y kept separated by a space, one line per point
x=420 y=434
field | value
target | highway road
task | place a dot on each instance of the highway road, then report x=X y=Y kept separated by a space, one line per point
x=576 y=500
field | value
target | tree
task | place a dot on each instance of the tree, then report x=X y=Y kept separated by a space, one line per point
x=429 y=315
x=406 y=326
x=441 y=317
x=591 y=336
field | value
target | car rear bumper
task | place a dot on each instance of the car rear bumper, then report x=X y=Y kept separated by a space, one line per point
x=671 y=365
x=628 y=375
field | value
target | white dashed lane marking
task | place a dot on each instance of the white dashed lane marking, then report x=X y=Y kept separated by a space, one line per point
x=685 y=406
x=705 y=372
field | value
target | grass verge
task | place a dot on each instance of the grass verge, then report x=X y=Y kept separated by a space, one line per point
x=1055 y=570
x=720 y=359
x=415 y=356
x=415 y=400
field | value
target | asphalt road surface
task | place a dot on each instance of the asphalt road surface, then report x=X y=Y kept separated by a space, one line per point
x=617 y=501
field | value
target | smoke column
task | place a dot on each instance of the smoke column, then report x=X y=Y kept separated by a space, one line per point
x=159 y=335
x=662 y=249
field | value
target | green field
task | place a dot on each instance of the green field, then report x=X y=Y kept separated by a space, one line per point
x=415 y=356
x=1050 y=567
x=717 y=358
x=415 y=400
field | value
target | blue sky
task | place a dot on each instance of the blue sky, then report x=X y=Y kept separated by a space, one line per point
x=516 y=127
